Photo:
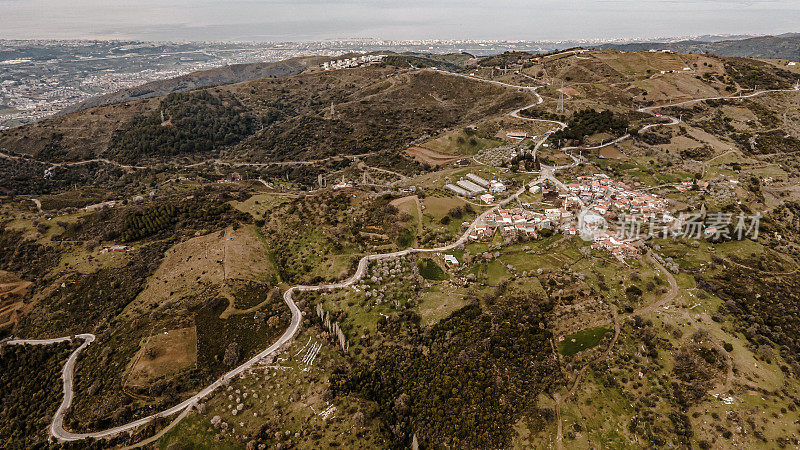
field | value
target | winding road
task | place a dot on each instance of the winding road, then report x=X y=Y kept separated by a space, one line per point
x=516 y=113
x=57 y=426
x=67 y=374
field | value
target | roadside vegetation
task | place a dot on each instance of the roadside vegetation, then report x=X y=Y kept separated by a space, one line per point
x=31 y=392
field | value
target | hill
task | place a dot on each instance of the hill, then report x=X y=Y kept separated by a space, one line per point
x=273 y=119
x=190 y=232
x=785 y=46
x=222 y=75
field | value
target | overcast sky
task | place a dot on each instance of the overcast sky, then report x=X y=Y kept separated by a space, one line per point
x=298 y=20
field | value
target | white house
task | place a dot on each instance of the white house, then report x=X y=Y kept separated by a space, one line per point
x=553 y=214
x=451 y=260
x=516 y=134
x=496 y=186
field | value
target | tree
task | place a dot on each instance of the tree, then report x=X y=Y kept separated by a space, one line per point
x=231 y=354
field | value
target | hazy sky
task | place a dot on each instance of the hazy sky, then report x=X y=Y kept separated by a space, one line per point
x=276 y=20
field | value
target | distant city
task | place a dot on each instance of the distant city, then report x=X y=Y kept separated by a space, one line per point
x=39 y=78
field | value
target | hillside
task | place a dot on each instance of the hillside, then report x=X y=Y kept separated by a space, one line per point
x=393 y=255
x=222 y=75
x=786 y=46
x=282 y=118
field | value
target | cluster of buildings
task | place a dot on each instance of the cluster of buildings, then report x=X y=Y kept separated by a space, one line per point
x=46 y=76
x=342 y=185
x=603 y=195
x=473 y=185
x=351 y=62
x=586 y=208
x=516 y=220
x=30 y=100
x=451 y=260
x=610 y=242
x=35 y=90
x=603 y=200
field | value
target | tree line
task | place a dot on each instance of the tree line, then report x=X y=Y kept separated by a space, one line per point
x=153 y=220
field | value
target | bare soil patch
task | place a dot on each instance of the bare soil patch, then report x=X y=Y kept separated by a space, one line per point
x=570 y=91
x=612 y=153
x=206 y=262
x=162 y=355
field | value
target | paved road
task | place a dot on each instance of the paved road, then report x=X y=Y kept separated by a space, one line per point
x=651 y=109
x=43 y=341
x=562 y=125
x=730 y=97
x=67 y=372
x=515 y=114
x=672 y=121
x=547 y=171
x=57 y=425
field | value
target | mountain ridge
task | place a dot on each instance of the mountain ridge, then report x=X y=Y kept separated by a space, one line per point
x=231 y=74
x=784 y=46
